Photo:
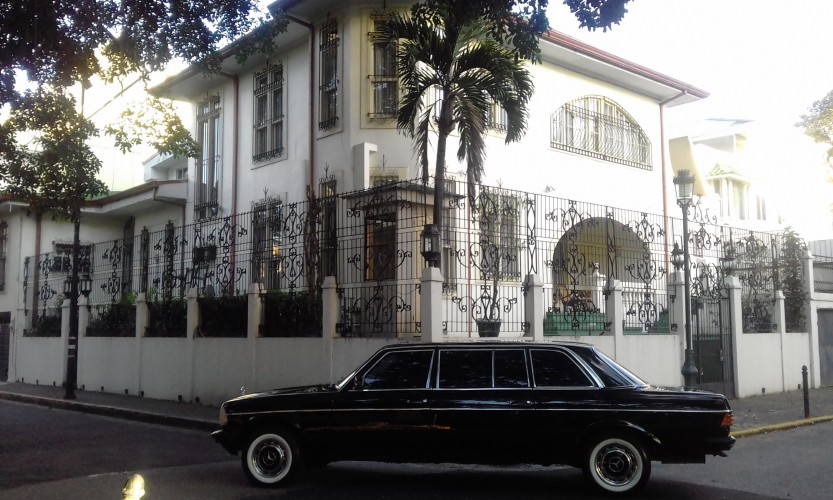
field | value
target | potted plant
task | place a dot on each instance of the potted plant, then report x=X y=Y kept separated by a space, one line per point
x=494 y=256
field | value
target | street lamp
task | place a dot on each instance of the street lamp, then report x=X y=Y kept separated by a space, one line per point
x=684 y=185
x=74 y=285
x=431 y=244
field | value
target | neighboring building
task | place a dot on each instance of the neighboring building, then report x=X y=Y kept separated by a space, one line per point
x=730 y=179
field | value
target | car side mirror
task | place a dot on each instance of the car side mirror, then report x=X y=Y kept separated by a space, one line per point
x=356 y=384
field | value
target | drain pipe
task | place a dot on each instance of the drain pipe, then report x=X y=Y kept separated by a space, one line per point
x=664 y=172
x=311 y=98
x=235 y=163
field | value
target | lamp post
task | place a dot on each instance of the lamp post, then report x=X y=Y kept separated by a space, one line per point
x=684 y=185
x=431 y=244
x=73 y=286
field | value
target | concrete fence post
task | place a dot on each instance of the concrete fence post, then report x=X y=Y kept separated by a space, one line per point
x=329 y=320
x=732 y=283
x=534 y=307
x=253 y=324
x=615 y=312
x=431 y=302
x=142 y=323
x=192 y=321
x=811 y=319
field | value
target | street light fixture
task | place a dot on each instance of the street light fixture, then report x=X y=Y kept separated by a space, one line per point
x=74 y=286
x=684 y=185
x=431 y=244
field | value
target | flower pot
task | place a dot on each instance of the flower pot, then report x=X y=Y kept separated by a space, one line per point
x=486 y=328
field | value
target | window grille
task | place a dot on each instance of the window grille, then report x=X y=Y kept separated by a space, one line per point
x=268 y=113
x=267 y=242
x=499 y=214
x=329 y=240
x=328 y=76
x=206 y=203
x=384 y=81
x=598 y=127
x=496 y=118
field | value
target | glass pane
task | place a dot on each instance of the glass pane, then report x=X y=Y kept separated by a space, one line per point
x=510 y=369
x=556 y=369
x=400 y=370
x=467 y=369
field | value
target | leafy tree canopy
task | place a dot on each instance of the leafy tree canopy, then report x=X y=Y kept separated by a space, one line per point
x=59 y=43
x=519 y=23
x=55 y=44
x=818 y=124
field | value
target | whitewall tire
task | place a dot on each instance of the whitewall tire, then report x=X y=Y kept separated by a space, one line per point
x=617 y=465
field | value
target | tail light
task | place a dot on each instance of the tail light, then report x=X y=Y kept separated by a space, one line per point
x=728 y=420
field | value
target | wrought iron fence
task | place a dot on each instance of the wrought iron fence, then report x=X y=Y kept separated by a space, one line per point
x=370 y=241
x=822 y=265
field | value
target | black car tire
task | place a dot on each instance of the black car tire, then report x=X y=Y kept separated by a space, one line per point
x=271 y=457
x=617 y=464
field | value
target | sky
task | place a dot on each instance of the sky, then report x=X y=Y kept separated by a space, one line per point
x=762 y=60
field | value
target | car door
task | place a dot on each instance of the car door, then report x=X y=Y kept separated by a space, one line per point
x=482 y=405
x=383 y=414
x=566 y=395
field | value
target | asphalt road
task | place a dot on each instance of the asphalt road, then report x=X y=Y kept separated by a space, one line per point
x=56 y=454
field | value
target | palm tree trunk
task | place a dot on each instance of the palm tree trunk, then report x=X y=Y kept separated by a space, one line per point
x=444 y=127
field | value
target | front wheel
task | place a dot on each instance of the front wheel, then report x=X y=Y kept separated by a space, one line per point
x=617 y=465
x=271 y=458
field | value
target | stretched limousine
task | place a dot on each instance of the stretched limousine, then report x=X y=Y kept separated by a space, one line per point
x=480 y=403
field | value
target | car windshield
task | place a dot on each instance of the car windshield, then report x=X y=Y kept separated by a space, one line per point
x=611 y=373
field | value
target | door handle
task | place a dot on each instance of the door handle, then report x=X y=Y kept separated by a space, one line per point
x=416 y=401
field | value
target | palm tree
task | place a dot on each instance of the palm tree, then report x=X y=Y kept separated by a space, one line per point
x=458 y=68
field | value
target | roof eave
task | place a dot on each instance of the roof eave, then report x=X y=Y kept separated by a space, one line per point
x=592 y=61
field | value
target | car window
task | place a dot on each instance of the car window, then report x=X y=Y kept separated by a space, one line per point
x=482 y=368
x=400 y=370
x=611 y=373
x=556 y=369
x=465 y=369
x=510 y=368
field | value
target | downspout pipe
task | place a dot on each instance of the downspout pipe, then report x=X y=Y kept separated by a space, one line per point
x=311 y=98
x=235 y=164
x=664 y=170
x=235 y=147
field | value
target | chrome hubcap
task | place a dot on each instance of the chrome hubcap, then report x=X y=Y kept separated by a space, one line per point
x=269 y=458
x=616 y=465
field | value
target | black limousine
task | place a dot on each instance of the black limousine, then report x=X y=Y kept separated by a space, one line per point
x=480 y=403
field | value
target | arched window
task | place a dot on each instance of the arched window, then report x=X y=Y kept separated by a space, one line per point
x=599 y=127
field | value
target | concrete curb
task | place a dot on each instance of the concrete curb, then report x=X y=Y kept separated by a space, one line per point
x=756 y=431
x=112 y=411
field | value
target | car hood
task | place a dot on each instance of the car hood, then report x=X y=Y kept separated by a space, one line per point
x=256 y=400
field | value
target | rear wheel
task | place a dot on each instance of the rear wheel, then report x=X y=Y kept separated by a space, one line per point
x=271 y=457
x=617 y=464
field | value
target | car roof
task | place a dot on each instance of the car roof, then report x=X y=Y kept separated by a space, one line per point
x=485 y=344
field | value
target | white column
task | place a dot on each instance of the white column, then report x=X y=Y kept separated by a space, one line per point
x=779 y=318
x=255 y=319
x=330 y=317
x=142 y=322
x=736 y=320
x=615 y=313
x=534 y=307
x=431 y=303
x=192 y=319
x=811 y=319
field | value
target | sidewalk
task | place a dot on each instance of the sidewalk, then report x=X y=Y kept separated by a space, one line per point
x=753 y=415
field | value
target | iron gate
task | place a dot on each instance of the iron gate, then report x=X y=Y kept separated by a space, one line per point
x=712 y=338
